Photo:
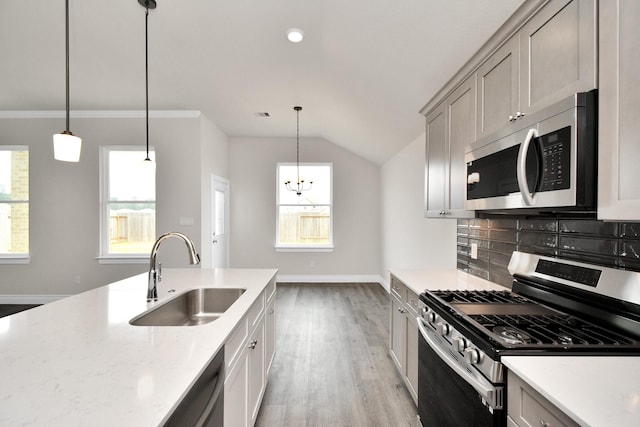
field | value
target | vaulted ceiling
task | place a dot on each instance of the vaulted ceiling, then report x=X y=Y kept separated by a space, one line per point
x=362 y=72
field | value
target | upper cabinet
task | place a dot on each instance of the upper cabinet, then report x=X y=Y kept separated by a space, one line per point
x=619 y=111
x=551 y=57
x=545 y=52
x=450 y=127
x=498 y=94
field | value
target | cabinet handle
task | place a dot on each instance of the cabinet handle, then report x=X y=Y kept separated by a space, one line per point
x=253 y=344
x=401 y=310
x=512 y=118
x=543 y=423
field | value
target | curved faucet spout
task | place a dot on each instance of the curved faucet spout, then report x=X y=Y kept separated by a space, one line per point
x=154 y=275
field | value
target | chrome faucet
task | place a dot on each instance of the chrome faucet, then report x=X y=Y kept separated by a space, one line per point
x=155 y=275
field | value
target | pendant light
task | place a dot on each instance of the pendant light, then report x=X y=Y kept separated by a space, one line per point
x=147 y=4
x=67 y=146
x=300 y=184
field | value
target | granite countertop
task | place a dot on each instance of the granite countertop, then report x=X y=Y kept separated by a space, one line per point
x=78 y=361
x=595 y=391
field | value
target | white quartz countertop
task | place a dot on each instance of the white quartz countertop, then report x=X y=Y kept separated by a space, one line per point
x=593 y=391
x=442 y=279
x=78 y=361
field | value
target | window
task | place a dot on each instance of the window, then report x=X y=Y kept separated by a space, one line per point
x=305 y=222
x=128 y=211
x=14 y=202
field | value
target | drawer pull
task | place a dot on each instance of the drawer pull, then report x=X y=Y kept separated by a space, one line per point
x=253 y=344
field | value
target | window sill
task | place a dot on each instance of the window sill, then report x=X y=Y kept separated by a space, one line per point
x=15 y=259
x=123 y=259
x=324 y=248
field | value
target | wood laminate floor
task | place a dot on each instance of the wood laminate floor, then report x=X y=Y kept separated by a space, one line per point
x=332 y=366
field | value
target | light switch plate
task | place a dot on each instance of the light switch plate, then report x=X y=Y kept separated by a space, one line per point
x=474 y=251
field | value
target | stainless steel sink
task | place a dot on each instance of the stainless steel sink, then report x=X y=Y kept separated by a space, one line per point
x=191 y=308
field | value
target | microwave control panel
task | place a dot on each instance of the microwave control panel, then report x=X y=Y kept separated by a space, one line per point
x=556 y=160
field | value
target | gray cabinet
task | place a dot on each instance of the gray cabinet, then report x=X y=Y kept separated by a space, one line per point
x=619 y=112
x=498 y=88
x=403 y=339
x=551 y=57
x=526 y=407
x=558 y=53
x=450 y=128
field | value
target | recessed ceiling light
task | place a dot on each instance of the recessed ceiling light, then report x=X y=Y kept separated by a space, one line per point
x=295 y=35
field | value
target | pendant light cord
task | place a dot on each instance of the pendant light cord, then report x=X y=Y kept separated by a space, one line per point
x=298 y=144
x=146 y=70
x=67 y=57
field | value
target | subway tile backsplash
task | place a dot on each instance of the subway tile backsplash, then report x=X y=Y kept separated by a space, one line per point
x=611 y=244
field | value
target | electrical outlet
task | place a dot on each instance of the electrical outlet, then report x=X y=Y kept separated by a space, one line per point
x=474 y=251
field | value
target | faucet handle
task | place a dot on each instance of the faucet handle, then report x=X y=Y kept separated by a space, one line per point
x=159 y=272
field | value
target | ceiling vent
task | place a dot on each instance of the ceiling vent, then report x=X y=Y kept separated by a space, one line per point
x=263 y=114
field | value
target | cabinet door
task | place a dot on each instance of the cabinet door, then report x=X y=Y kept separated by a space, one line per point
x=498 y=83
x=558 y=53
x=436 y=163
x=619 y=111
x=397 y=331
x=411 y=357
x=461 y=115
x=235 y=394
x=270 y=336
x=256 y=382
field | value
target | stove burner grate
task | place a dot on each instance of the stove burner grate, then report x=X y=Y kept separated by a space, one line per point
x=480 y=297
x=561 y=330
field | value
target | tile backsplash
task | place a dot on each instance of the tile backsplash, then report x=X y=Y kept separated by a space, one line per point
x=612 y=244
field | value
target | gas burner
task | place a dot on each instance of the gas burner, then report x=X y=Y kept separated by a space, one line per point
x=511 y=335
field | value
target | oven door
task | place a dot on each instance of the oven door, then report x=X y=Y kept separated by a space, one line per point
x=449 y=394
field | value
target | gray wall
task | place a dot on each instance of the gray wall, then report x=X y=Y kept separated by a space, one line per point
x=356 y=198
x=64 y=197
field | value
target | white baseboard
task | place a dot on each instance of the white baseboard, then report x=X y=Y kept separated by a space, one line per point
x=281 y=278
x=30 y=299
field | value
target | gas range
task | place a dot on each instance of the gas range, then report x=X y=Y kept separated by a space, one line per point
x=555 y=307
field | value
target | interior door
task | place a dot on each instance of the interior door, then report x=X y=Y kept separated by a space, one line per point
x=219 y=223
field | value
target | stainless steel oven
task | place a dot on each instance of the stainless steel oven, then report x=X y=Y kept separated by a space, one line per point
x=545 y=161
x=556 y=307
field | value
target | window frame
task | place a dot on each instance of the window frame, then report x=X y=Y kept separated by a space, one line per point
x=104 y=256
x=279 y=247
x=22 y=257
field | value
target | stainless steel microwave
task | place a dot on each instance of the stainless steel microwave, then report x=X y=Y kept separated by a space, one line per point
x=545 y=161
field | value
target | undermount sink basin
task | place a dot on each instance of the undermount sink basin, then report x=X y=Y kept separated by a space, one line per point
x=191 y=308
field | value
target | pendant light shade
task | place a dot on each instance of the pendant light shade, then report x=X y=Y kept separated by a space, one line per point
x=67 y=146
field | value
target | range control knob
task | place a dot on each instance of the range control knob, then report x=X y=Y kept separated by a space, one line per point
x=460 y=344
x=443 y=329
x=432 y=317
x=471 y=355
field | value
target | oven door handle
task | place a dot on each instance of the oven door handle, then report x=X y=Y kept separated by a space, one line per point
x=521 y=168
x=491 y=395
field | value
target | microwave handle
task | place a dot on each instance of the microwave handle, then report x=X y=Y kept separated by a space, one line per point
x=522 y=168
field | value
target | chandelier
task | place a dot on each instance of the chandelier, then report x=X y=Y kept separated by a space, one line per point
x=300 y=185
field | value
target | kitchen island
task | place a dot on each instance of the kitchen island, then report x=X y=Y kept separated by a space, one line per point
x=78 y=361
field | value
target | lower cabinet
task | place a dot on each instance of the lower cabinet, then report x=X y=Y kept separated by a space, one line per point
x=403 y=331
x=250 y=351
x=526 y=407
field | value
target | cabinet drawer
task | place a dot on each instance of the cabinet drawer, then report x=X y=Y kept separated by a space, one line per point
x=233 y=346
x=399 y=289
x=412 y=302
x=256 y=311
x=270 y=290
x=527 y=407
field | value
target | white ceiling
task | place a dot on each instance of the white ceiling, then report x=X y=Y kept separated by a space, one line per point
x=361 y=74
